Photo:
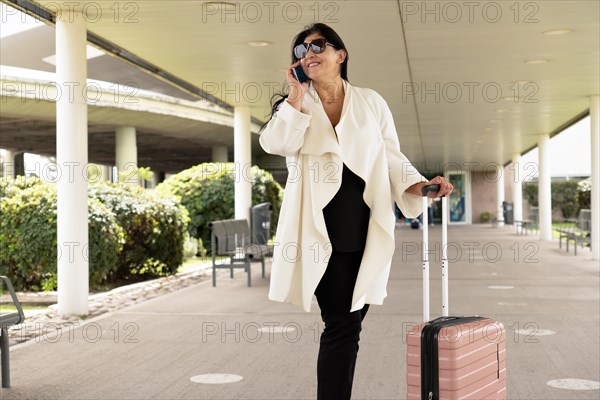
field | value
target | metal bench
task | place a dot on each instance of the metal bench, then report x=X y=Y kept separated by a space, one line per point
x=565 y=231
x=232 y=238
x=580 y=234
x=8 y=319
x=531 y=223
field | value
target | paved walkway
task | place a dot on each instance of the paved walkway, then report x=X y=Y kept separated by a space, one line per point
x=152 y=349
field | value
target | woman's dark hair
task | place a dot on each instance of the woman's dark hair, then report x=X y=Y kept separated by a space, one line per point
x=332 y=37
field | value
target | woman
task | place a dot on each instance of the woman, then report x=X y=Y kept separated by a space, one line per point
x=335 y=236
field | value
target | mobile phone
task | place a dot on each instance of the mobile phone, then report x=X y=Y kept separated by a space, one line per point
x=299 y=74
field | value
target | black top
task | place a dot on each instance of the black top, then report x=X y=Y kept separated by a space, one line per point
x=347 y=214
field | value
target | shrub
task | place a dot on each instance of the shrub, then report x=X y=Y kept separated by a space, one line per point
x=485 y=216
x=567 y=196
x=584 y=197
x=207 y=191
x=530 y=193
x=564 y=197
x=154 y=229
x=28 y=236
x=106 y=238
x=9 y=186
x=150 y=244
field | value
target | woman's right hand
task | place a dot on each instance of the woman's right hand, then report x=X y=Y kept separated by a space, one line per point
x=297 y=89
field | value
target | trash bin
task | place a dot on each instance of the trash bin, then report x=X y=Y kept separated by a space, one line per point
x=261 y=222
x=507 y=211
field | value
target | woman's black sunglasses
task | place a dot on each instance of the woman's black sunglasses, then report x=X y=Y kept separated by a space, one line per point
x=317 y=46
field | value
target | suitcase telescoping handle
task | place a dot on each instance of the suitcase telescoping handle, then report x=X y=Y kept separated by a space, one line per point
x=426 y=189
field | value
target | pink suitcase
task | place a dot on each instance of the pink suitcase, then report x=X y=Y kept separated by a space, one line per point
x=453 y=358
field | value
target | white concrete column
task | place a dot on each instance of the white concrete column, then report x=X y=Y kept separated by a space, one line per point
x=595 y=141
x=155 y=179
x=500 y=194
x=71 y=156
x=8 y=164
x=126 y=155
x=242 y=159
x=106 y=173
x=219 y=153
x=517 y=188
x=544 y=193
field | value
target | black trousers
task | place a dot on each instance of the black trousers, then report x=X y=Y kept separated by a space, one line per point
x=339 y=340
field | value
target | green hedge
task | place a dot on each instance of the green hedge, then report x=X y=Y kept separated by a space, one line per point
x=567 y=196
x=154 y=226
x=585 y=194
x=530 y=193
x=10 y=187
x=564 y=197
x=131 y=232
x=106 y=238
x=28 y=236
x=207 y=191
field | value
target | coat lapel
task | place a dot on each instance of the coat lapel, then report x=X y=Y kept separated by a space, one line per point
x=321 y=138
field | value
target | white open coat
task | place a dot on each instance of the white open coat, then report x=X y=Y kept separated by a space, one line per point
x=367 y=142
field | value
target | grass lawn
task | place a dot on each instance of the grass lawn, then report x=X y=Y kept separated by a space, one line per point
x=191 y=263
x=10 y=308
x=558 y=225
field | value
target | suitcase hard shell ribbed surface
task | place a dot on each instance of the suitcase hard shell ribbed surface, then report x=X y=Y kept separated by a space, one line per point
x=471 y=361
